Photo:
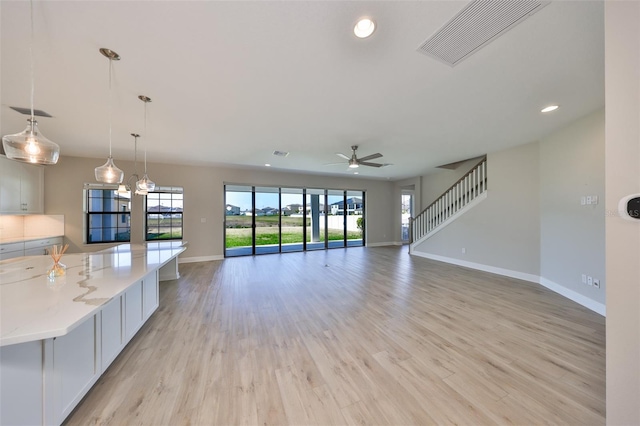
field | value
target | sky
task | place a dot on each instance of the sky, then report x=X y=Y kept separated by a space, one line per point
x=243 y=199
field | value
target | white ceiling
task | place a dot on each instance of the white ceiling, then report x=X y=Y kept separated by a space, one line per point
x=233 y=81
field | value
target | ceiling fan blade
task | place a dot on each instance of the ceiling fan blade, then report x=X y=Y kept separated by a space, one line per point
x=370 y=157
x=364 y=163
x=343 y=156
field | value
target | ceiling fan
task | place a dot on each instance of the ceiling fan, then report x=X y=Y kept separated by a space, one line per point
x=355 y=162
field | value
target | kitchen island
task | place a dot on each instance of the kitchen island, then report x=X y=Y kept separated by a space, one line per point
x=58 y=336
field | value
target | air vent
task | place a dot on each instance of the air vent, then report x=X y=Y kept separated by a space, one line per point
x=27 y=111
x=280 y=153
x=480 y=22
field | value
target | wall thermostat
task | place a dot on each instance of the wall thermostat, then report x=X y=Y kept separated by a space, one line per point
x=629 y=207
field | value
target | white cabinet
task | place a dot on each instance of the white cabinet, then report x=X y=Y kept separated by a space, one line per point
x=39 y=247
x=140 y=301
x=21 y=187
x=150 y=294
x=133 y=310
x=112 y=338
x=11 y=250
x=28 y=248
x=21 y=384
x=75 y=367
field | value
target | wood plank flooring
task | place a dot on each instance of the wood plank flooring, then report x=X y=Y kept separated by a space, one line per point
x=355 y=336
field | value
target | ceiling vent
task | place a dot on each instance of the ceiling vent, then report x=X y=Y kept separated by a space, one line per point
x=280 y=153
x=27 y=111
x=480 y=22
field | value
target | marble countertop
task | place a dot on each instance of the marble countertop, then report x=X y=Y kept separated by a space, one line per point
x=32 y=307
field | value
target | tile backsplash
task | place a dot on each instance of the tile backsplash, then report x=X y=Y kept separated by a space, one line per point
x=28 y=226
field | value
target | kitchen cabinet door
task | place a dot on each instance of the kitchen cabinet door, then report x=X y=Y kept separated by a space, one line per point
x=21 y=187
x=10 y=177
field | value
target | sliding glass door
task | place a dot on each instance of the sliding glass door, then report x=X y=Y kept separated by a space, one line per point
x=336 y=219
x=292 y=219
x=261 y=220
x=355 y=218
x=238 y=224
x=316 y=233
x=266 y=213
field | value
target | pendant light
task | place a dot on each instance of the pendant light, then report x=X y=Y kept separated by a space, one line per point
x=124 y=189
x=109 y=172
x=30 y=145
x=144 y=185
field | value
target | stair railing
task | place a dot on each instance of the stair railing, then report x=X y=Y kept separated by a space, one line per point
x=461 y=193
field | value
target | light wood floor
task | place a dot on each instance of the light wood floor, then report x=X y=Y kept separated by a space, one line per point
x=355 y=336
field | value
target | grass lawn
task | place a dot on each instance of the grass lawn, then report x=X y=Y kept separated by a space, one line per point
x=268 y=221
x=241 y=237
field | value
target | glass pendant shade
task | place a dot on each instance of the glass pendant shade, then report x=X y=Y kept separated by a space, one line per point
x=109 y=173
x=145 y=184
x=123 y=189
x=31 y=146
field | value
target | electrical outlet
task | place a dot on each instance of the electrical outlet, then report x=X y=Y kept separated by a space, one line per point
x=588 y=199
x=583 y=200
x=589 y=280
x=594 y=199
x=596 y=283
x=584 y=278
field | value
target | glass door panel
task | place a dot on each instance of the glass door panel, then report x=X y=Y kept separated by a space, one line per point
x=355 y=218
x=267 y=220
x=335 y=218
x=407 y=203
x=238 y=238
x=315 y=232
x=292 y=208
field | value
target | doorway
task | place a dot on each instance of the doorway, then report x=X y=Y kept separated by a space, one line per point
x=406 y=213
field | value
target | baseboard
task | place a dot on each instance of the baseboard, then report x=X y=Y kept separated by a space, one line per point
x=557 y=288
x=199 y=259
x=479 y=266
x=388 y=243
x=575 y=296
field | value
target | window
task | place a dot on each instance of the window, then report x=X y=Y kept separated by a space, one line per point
x=107 y=214
x=163 y=212
x=261 y=220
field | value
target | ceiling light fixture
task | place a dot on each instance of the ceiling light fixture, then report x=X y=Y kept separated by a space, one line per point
x=550 y=108
x=145 y=185
x=30 y=146
x=364 y=28
x=267 y=165
x=125 y=188
x=109 y=172
x=353 y=163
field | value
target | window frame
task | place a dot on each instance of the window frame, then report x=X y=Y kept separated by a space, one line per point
x=117 y=213
x=164 y=190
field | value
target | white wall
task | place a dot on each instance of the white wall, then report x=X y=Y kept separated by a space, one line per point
x=532 y=224
x=204 y=199
x=572 y=235
x=436 y=182
x=622 y=171
x=504 y=230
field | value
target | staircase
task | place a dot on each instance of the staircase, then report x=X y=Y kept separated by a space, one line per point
x=463 y=195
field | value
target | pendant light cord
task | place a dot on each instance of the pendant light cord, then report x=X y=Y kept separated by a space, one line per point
x=110 y=106
x=31 y=58
x=145 y=138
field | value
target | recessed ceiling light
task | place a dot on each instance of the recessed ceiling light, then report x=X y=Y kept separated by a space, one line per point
x=549 y=108
x=355 y=173
x=364 y=28
x=267 y=165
